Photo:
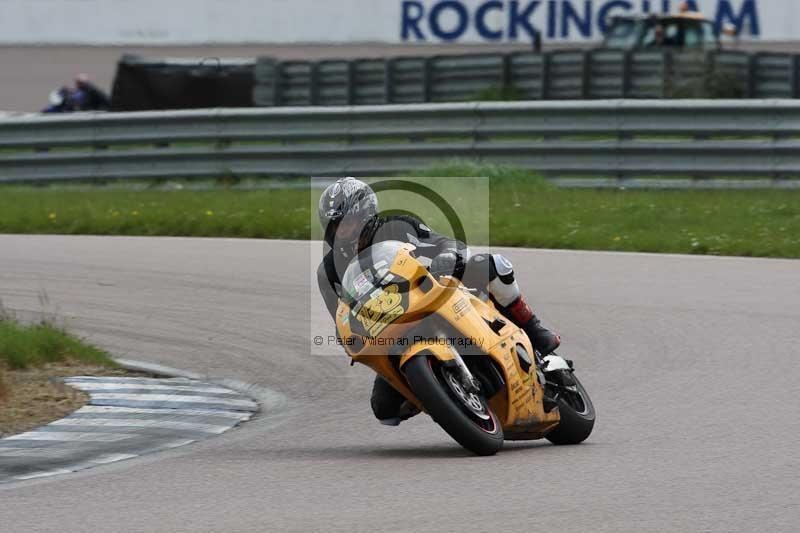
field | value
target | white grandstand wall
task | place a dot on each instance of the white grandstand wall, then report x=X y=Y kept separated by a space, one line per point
x=154 y=22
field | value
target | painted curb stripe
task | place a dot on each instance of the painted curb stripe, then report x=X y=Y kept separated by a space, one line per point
x=7 y=444
x=19 y=452
x=113 y=458
x=68 y=436
x=166 y=405
x=125 y=418
x=105 y=409
x=138 y=398
x=145 y=393
x=94 y=386
x=164 y=417
x=143 y=424
x=144 y=381
x=43 y=474
x=178 y=443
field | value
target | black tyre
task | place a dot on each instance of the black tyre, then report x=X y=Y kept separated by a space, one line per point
x=576 y=408
x=464 y=416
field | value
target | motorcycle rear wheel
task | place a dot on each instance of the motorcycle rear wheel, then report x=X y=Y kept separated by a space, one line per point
x=577 y=413
x=466 y=417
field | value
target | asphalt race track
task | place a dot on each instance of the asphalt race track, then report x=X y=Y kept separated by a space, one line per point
x=691 y=362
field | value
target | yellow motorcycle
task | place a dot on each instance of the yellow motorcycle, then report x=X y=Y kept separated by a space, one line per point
x=450 y=353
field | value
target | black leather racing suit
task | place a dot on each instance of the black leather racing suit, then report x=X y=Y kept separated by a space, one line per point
x=393 y=228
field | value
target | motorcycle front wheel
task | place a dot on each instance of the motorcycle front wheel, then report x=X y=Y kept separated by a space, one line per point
x=465 y=416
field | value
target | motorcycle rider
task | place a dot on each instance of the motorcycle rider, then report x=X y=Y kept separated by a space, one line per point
x=61 y=101
x=348 y=213
x=88 y=96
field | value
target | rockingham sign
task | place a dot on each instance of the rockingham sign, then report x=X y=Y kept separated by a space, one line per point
x=565 y=20
x=340 y=21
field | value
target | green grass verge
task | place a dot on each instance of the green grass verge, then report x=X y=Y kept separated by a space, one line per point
x=524 y=211
x=276 y=213
x=25 y=346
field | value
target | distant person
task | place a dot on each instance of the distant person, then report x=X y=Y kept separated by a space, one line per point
x=88 y=96
x=658 y=36
x=537 y=42
x=61 y=101
x=661 y=39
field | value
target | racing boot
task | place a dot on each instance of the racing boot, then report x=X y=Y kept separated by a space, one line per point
x=389 y=406
x=544 y=341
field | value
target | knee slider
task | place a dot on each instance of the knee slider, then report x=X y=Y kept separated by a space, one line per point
x=503 y=287
x=503 y=269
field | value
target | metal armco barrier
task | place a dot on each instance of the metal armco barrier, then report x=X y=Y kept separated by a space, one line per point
x=616 y=138
x=559 y=75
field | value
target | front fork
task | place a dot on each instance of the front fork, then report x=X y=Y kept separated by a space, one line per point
x=466 y=378
x=448 y=356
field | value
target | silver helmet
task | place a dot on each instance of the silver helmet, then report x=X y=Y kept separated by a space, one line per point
x=347 y=198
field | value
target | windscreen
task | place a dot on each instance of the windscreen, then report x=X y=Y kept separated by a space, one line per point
x=369 y=270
